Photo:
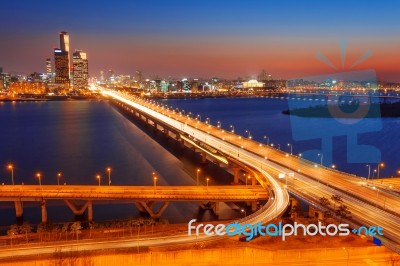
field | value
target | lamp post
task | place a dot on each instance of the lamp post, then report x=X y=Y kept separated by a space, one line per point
x=279 y=146
x=248 y=132
x=109 y=175
x=197 y=176
x=207 y=179
x=248 y=177
x=267 y=138
x=369 y=171
x=218 y=124
x=155 y=182
x=232 y=129
x=379 y=166
x=11 y=167
x=58 y=178
x=98 y=178
x=291 y=148
x=322 y=157
x=39 y=176
x=243 y=211
x=348 y=255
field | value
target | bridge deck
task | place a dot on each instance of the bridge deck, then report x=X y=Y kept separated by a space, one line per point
x=145 y=193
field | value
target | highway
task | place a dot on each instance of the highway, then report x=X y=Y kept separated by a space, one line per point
x=370 y=206
x=132 y=193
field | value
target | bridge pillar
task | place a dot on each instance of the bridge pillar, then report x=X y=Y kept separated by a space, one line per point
x=19 y=209
x=215 y=207
x=253 y=206
x=44 y=211
x=76 y=210
x=148 y=207
x=236 y=172
x=90 y=211
x=253 y=181
x=203 y=157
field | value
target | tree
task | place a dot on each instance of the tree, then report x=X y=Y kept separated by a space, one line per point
x=343 y=211
x=75 y=228
x=337 y=199
x=12 y=232
x=324 y=202
x=65 y=229
x=26 y=228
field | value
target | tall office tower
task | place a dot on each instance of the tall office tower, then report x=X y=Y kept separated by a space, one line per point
x=80 y=70
x=61 y=62
x=48 y=66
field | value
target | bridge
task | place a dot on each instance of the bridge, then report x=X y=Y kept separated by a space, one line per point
x=305 y=179
x=144 y=197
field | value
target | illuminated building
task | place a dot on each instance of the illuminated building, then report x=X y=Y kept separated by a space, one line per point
x=252 y=84
x=27 y=87
x=62 y=61
x=80 y=70
x=48 y=66
x=4 y=80
x=61 y=66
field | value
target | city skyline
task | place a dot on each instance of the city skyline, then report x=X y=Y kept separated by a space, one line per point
x=221 y=39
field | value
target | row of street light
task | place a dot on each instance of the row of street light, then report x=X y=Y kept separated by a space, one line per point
x=39 y=176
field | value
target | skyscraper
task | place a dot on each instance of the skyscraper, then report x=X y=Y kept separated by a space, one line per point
x=64 y=41
x=48 y=66
x=62 y=60
x=80 y=70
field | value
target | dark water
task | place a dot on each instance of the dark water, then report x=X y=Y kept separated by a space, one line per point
x=81 y=139
x=263 y=117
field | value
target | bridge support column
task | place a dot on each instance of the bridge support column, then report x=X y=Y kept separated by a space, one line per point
x=19 y=209
x=236 y=172
x=253 y=206
x=90 y=211
x=77 y=210
x=203 y=157
x=148 y=207
x=44 y=211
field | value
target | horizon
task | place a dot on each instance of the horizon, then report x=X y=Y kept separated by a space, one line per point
x=222 y=39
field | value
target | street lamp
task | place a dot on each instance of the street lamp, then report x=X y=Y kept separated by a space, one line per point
x=232 y=129
x=109 y=175
x=248 y=131
x=58 y=178
x=379 y=166
x=348 y=255
x=207 y=179
x=197 y=176
x=369 y=170
x=267 y=138
x=322 y=157
x=291 y=148
x=248 y=177
x=11 y=167
x=155 y=182
x=218 y=124
x=243 y=211
x=98 y=178
x=279 y=146
x=39 y=176
x=208 y=121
